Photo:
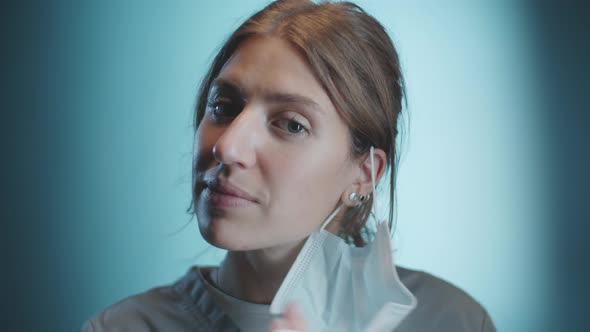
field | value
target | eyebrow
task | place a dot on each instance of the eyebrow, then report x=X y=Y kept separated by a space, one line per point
x=228 y=87
x=272 y=97
x=289 y=98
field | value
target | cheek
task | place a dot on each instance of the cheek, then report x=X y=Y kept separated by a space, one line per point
x=307 y=192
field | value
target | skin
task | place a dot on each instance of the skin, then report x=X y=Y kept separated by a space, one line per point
x=272 y=131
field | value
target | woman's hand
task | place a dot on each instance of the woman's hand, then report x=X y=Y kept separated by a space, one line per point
x=292 y=321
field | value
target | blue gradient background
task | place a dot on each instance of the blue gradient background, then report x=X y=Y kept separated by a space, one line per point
x=493 y=183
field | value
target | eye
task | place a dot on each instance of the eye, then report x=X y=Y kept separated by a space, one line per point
x=295 y=127
x=222 y=109
x=291 y=126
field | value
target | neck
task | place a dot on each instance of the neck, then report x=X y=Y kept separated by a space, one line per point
x=255 y=276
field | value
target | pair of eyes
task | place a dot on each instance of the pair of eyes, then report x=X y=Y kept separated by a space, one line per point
x=224 y=111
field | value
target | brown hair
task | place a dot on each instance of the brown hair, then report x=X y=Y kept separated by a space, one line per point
x=356 y=63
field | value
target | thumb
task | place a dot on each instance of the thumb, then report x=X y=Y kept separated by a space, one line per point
x=294 y=316
x=291 y=321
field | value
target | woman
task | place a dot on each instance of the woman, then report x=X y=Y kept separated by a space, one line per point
x=295 y=123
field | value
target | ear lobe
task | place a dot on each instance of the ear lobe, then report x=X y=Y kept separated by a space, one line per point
x=362 y=185
x=351 y=196
x=380 y=163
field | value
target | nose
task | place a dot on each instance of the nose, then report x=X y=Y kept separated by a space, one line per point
x=237 y=143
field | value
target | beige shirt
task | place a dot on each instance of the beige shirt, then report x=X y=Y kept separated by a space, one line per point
x=193 y=303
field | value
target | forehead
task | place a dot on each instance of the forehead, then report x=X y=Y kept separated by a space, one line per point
x=270 y=65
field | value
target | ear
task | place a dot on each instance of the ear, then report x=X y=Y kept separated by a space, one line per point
x=362 y=184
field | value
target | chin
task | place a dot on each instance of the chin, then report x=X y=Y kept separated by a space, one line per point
x=222 y=234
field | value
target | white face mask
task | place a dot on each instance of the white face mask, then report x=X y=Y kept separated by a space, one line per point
x=343 y=288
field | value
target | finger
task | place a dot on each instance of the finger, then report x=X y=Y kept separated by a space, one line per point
x=294 y=317
x=278 y=324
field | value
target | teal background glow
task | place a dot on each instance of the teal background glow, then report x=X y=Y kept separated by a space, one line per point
x=492 y=191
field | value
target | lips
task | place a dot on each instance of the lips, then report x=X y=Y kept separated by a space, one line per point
x=223 y=187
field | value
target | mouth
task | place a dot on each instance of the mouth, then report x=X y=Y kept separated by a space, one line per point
x=222 y=194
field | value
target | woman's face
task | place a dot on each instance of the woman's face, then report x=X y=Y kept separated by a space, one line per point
x=271 y=155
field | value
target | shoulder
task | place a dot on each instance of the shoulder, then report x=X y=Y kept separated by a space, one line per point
x=160 y=308
x=137 y=312
x=441 y=305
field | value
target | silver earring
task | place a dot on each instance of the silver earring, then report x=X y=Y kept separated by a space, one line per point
x=362 y=198
x=353 y=197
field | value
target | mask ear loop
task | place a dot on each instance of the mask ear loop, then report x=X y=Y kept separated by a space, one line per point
x=330 y=217
x=374 y=205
